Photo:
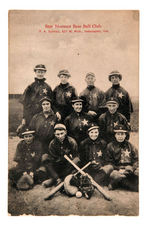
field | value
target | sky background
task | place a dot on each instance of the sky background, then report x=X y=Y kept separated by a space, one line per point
x=100 y=53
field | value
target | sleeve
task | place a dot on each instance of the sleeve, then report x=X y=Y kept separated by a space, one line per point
x=53 y=157
x=38 y=156
x=109 y=154
x=25 y=100
x=18 y=154
x=54 y=103
x=130 y=103
x=102 y=125
x=32 y=123
x=102 y=99
x=74 y=148
x=82 y=154
x=134 y=152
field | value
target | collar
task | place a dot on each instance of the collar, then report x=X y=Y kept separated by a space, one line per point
x=90 y=87
x=50 y=113
x=40 y=80
x=64 y=86
x=116 y=86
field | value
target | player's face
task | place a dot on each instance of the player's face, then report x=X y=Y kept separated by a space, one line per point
x=115 y=80
x=112 y=107
x=93 y=134
x=40 y=74
x=90 y=80
x=63 y=79
x=120 y=136
x=77 y=107
x=28 y=138
x=46 y=105
x=60 y=134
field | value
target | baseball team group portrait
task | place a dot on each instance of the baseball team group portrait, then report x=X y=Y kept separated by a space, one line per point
x=73 y=114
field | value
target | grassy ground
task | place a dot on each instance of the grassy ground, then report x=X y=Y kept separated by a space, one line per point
x=32 y=202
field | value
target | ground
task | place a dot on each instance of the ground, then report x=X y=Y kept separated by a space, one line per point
x=32 y=202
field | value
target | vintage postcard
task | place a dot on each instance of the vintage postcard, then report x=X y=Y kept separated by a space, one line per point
x=73 y=112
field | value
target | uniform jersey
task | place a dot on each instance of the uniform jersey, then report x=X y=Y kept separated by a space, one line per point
x=122 y=154
x=62 y=96
x=32 y=96
x=95 y=99
x=125 y=104
x=44 y=127
x=57 y=165
x=77 y=125
x=28 y=156
x=108 y=121
x=91 y=150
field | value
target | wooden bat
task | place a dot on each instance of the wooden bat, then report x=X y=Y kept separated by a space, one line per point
x=99 y=188
x=59 y=186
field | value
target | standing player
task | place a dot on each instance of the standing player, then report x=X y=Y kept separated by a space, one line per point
x=63 y=94
x=33 y=94
x=94 y=97
x=125 y=104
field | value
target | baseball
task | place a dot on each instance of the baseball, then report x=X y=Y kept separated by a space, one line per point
x=78 y=194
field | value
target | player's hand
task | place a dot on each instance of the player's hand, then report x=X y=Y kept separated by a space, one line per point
x=93 y=113
x=58 y=116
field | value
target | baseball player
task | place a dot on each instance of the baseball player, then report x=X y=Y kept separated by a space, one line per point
x=123 y=157
x=125 y=104
x=95 y=98
x=33 y=94
x=110 y=119
x=28 y=162
x=63 y=94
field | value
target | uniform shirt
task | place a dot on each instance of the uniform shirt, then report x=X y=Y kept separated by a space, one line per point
x=77 y=125
x=62 y=96
x=58 y=149
x=95 y=98
x=122 y=154
x=108 y=121
x=92 y=151
x=125 y=104
x=44 y=127
x=32 y=96
x=28 y=156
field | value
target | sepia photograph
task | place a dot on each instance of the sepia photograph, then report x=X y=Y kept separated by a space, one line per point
x=73 y=139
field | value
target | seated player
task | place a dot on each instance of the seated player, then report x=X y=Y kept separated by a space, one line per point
x=78 y=121
x=57 y=166
x=95 y=98
x=118 y=92
x=63 y=94
x=93 y=149
x=28 y=159
x=110 y=119
x=43 y=123
x=123 y=156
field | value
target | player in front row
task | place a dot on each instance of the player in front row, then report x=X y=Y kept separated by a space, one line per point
x=118 y=92
x=57 y=166
x=28 y=154
x=93 y=149
x=123 y=157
